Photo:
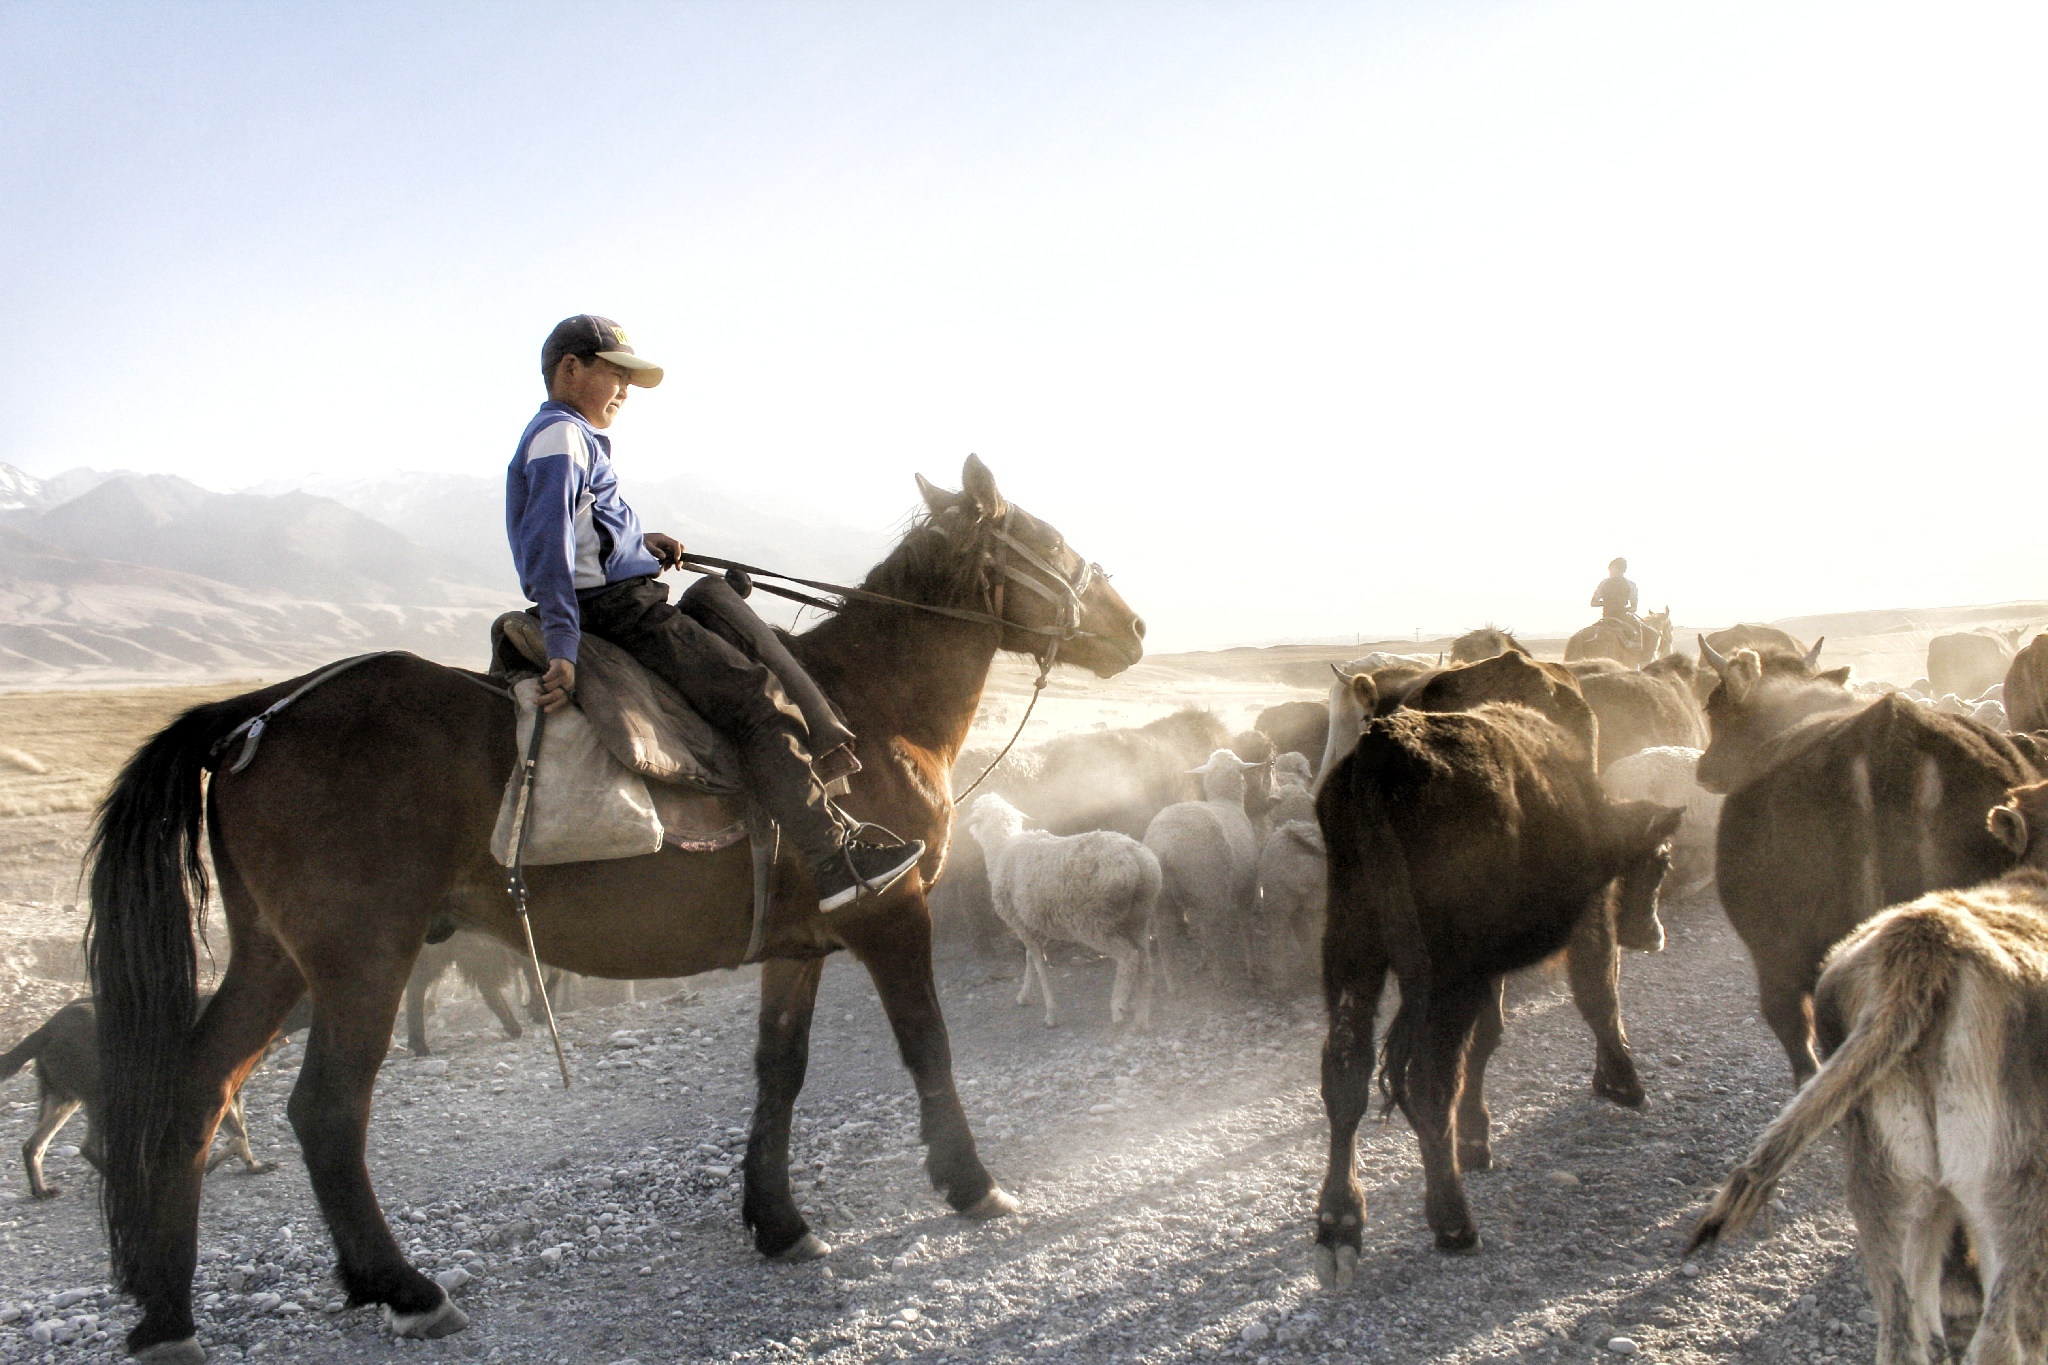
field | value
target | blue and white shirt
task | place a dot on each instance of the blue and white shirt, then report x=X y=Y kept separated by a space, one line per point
x=570 y=530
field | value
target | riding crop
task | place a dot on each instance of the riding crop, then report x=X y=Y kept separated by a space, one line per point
x=522 y=815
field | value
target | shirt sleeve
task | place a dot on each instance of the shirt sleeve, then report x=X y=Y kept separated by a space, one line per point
x=544 y=533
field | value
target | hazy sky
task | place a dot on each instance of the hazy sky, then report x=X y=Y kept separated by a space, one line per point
x=1303 y=319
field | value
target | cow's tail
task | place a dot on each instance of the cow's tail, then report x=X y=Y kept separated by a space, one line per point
x=24 y=1052
x=147 y=886
x=1388 y=901
x=1911 y=982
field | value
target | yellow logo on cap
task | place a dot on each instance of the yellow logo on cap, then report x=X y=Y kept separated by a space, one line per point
x=619 y=335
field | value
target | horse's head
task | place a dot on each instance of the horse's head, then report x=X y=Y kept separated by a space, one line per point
x=1046 y=594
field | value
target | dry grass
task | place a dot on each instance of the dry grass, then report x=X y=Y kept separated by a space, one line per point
x=59 y=750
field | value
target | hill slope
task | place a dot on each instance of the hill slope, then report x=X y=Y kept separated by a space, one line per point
x=295 y=544
x=68 y=617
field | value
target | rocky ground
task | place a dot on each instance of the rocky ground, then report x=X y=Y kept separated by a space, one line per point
x=1167 y=1180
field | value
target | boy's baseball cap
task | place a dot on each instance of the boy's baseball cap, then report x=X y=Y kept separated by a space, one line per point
x=587 y=335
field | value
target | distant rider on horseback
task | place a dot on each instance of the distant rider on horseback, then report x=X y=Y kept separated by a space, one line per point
x=586 y=564
x=1616 y=598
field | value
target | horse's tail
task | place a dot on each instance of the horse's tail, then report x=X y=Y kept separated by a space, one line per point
x=147 y=885
x=24 y=1052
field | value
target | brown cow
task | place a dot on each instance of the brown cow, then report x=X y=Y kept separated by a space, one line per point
x=1297 y=727
x=1837 y=808
x=1749 y=635
x=1687 y=673
x=1484 y=643
x=1462 y=847
x=1931 y=1016
x=1593 y=957
x=1970 y=663
x=2026 y=687
x=1640 y=711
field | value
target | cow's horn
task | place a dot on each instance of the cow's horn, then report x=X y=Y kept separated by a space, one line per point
x=1813 y=655
x=1711 y=658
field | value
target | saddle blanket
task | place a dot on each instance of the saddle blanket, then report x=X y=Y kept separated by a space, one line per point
x=623 y=770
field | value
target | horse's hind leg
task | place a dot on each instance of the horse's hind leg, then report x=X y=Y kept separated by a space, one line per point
x=259 y=989
x=330 y=1111
x=896 y=948
x=789 y=992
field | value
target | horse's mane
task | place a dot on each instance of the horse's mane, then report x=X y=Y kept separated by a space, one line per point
x=933 y=564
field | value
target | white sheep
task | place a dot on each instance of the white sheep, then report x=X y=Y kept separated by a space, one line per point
x=1668 y=775
x=1100 y=890
x=1209 y=858
x=1293 y=798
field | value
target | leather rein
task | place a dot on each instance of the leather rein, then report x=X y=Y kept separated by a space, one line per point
x=1048 y=582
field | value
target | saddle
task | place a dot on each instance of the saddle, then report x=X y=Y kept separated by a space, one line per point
x=627 y=767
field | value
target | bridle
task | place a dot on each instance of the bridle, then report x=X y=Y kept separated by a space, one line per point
x=1033 y=573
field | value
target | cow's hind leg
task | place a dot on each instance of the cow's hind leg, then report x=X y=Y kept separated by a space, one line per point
x=259 y=989
x=1903 y=1225
x=1354 y=974
x=1593 y=965
x=1435 y=1077
x=330 y=1111
x=789 y=993
x=1785 y=998
x=1475 y=1121
x=55 y=1111
x=896 y=948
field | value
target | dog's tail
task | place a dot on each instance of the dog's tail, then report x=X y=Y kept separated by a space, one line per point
x=24 y=1052
x=1912 y=975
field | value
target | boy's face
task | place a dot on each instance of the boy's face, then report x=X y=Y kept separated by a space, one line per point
x=596 y=388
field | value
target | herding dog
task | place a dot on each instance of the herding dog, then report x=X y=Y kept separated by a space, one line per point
x=66 y=1051
x=1934 y=1015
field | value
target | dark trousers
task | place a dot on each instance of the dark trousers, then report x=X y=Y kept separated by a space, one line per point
x=730 y=690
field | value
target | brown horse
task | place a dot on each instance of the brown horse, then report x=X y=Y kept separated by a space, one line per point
x=1605 y=639
x=367 y=816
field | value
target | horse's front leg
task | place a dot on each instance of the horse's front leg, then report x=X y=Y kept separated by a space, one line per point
x=789 y=993
x=895 y=945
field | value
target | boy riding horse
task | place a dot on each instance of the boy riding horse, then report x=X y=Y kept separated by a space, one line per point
x=586 y=565
x=1616 y=598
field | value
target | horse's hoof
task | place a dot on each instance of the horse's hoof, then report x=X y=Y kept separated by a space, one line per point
x=47 y=1192
x=262 y=1167
x=997 y=1203
x=186 y=1352
x=1336 y=1266
x=443 y=1321
x=809 y=1247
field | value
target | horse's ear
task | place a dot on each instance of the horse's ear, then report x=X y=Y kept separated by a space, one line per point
x=979 y=485
x=935 y=497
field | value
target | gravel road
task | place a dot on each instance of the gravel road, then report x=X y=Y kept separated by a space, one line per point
x=1168 y=1182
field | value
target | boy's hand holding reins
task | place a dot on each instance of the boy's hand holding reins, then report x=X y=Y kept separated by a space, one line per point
x=667 y=550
